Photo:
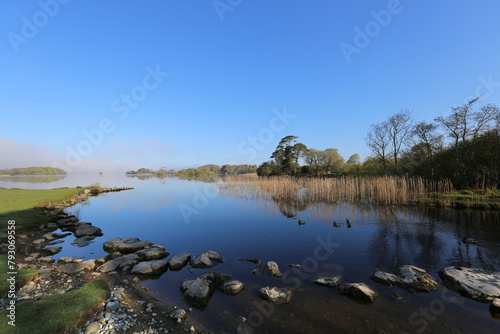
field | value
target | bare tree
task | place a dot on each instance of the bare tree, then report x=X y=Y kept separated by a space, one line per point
x=399 y=126
x=378 y=141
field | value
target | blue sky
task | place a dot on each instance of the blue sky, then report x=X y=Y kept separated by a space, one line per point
x=68 y=66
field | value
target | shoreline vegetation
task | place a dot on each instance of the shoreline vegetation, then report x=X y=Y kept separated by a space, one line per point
x=382 y=190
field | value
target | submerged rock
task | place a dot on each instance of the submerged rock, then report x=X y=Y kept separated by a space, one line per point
x=179 y=261
x=257 y=266
x=272 y=269
x=478 y=284
x=119 y=262
x=83 y=241
x=409 y=277
x=150 y=267
x=495 y=306
x=125 y=246
x=232 y=287
x=207 y=259
x=276 y=294
x=178 y=314
x=53 y=250
x=328 y=281
x=359 y=291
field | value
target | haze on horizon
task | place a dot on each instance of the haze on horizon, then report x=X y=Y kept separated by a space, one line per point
x=91 y=86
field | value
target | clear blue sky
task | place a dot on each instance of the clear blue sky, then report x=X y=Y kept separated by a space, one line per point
x=65 y=68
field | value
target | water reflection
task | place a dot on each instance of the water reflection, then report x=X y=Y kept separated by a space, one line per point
x=33 y=178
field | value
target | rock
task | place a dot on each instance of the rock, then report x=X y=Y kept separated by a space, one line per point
x=178 y=261
x=83 y=241
x=53 y=250
x=296 y=266
x=495 y=306
x=46 y=259
x=178 y=314
x=207 y=259
x=272 y=269
x=93 y=327
x=85 y=229
x=257 y=266
x=52 y=235
x=198 y=291
x=276 y=294
x=156 y=252
x=35 y=255
x=38 y=242
x=409 y=277
x=29 y=259
x=112 y=306
x=328 y=281
x=478 y=284
x=232 y=287
x=65 y=259
x=359 y=291
x=150 y=267
x=125 y=246
x=71 y=268
x=119 y=262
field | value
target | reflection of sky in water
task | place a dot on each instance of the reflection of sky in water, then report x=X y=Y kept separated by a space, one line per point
x=380 y=237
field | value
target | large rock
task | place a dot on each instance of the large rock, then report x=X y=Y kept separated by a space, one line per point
x=71 y=268
x=119 y=262
x=359 y=291
x=130 y=245
x=409 y=277
x=150 y=267
x=272 y=269
x=276 y=294
x=52 y=235
x=207 y=259
x=85 y=230
x=328 y=281
x=478 y=284
x=179 y=261
x=157 y=252
x=232 y=287
x=198 y=291
x=83 y=241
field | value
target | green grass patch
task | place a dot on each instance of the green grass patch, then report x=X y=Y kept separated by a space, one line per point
x=20 y=205
x=57 y=313
x=22 y=276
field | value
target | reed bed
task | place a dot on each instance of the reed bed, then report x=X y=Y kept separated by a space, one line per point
x=383 y=190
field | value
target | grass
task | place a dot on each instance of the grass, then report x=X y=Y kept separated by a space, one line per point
x=22 y=276
x=21 y=205
x=57 y=313
x=370 y=190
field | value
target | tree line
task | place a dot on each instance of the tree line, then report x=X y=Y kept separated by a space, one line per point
x=32 y=171
x=209 y=170
x=402 y=146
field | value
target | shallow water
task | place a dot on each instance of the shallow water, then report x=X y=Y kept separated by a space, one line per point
x=190 y=216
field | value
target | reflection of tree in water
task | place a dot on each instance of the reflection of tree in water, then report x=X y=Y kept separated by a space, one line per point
x=431 y=238
x=34 y=178
x=290 y=209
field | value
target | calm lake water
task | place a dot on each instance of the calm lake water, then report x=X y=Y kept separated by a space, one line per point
x=191 y=216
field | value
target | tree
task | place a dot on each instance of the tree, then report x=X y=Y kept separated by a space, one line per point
x=426 y=134
x=399 y=126
x=378 y=142
x=333 y=162
x=353 y=164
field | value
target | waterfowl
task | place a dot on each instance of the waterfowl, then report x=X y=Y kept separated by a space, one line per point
x=336 y=224
x=348 y=222
x=469 y=240
x=301 y=222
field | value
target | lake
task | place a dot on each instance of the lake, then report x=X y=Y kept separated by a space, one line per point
x=192 y=216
